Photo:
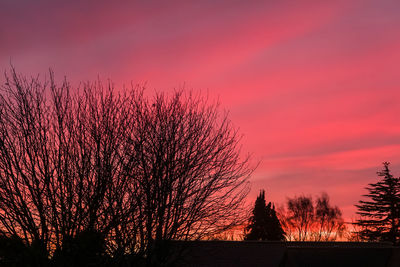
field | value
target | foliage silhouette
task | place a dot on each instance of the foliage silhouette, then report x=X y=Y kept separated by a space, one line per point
x=380 y=214
x=264 y=224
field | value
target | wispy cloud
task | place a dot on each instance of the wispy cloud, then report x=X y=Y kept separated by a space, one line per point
x=312 y=85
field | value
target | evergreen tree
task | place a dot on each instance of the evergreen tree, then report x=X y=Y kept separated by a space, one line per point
x=264 y=224
x=275 y=230
x=380 y=215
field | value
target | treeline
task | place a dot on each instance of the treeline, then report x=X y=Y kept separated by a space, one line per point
x=303 y=219
x=97 y=176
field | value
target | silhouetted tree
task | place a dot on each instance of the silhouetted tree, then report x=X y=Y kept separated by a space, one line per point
x=264 y=224
x=187 y=176
x=380 y=215
x=300 y=216
x=305 y=220
x=60 y=161
x=328 y=220
x=277 y=233
x=134 y=170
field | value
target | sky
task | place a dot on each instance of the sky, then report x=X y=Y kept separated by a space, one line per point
x=313 y=86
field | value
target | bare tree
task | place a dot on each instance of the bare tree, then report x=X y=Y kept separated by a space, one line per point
x=60 y=162
x=354 y=231
x=300 y=216
x=25 y=168
x=188 y=178
x=133 y=169
x=328 y=220
x=305 y=220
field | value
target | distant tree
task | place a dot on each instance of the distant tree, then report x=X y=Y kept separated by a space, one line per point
x=306 y=220
x=380 y=214
x=353 y=233
x=235 y=233
x=300 y=216
x=328 y=220
x=264 y=224
x=276 y=233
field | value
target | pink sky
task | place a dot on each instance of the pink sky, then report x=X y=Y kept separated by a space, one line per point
x=312 y=85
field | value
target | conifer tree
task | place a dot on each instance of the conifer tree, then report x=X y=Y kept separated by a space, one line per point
x=276 y=231
x=380 y=214
x=264 y=224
